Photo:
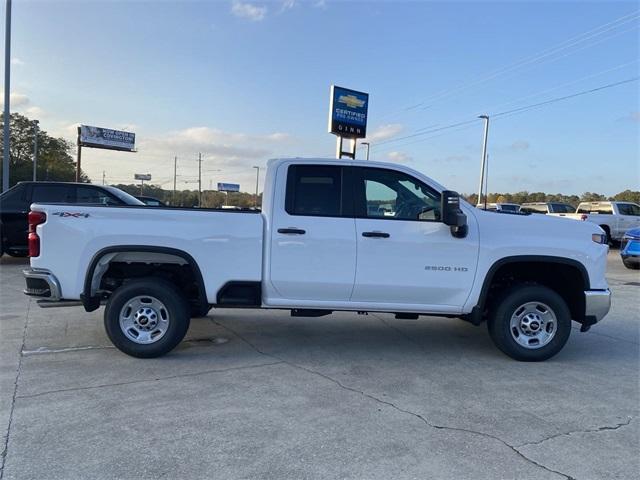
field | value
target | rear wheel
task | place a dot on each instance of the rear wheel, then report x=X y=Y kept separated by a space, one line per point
x=146 y=318
x=530 y=323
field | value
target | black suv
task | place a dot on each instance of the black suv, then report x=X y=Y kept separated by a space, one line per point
x=15 y=203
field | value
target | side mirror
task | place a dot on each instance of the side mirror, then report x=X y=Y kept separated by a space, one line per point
x=452 y=215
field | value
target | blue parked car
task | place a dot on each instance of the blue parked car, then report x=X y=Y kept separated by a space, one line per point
x=630 y=248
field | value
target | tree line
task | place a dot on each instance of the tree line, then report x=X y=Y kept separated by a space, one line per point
x=573 y=200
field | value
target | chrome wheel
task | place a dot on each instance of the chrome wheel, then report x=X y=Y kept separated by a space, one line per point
x=533 y=325
x=144 y=319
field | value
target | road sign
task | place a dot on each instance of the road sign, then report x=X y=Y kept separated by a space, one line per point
x=142 y=176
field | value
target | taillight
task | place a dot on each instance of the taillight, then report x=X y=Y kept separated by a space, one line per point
x=583 y=217
x=35 y=219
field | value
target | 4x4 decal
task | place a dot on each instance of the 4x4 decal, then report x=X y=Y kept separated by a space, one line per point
x=71 y=214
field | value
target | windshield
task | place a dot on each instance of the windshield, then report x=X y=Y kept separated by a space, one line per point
x=124 y=196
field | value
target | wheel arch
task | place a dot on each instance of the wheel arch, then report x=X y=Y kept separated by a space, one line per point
x=101 y=259
x=573 y=294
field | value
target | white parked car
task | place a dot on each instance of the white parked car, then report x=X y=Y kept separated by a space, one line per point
x=614 y=218
x=500 y=207
x=332 y=235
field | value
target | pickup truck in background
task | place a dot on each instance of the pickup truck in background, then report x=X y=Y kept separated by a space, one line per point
x=547 y=207
x=333 y=235
x=615 y=218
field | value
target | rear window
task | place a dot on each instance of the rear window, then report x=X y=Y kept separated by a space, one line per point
x=51 y=194
x=534 y=209
x=604 y=208
x=314 y=190
x=95 y=195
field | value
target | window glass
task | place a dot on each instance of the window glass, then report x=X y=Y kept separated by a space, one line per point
x=629 y=209
x=395 y=195
x=314 y=190
x=13 y=199
x=509 y=208
x=562 y=208
x=95 y=196
x=51 y=194
x=603 y=208
x=534 y=208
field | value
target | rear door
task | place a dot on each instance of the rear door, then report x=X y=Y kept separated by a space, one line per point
x=406 y=255
x=313 y=240
x=14 y=207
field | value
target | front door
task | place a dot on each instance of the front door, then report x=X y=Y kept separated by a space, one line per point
x=406 y=255
x=313 y=240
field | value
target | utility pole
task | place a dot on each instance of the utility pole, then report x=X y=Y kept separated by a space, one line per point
x=35 y=149
x=199 y=180
x=484 y=157
x=257 y=178
x=175 y=170
x=141 y=186
x=7 y=99
x=79 y=157
x=103 y=177
x=368 y=145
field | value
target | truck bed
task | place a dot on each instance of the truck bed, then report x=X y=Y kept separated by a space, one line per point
x=73 y=234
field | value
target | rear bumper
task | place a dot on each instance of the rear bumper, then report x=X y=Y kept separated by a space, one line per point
x=43 y=284
x=597 y=305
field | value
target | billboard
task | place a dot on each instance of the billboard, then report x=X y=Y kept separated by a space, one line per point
x=348 y=112
x=97 y=137
x=228 y=187
x=142 y=176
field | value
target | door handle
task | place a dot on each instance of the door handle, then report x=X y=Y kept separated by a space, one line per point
x=292 y=231
x=375 y=234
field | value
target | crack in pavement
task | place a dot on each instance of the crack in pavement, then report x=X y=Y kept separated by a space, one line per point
x=5 y=448
x=423 y=419
x=590 y=430
x=157 y=379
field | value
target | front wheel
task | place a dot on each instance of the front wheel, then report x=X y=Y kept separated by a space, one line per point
x=630 y=264
x=146 y=318
x=530 y=323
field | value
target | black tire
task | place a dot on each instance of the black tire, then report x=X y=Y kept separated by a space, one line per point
x=631 y=265
x=510 y=302
x=607 y=232
x=176 y=310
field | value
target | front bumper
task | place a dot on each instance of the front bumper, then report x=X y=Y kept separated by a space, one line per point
x=43 y=284
x=597 y=304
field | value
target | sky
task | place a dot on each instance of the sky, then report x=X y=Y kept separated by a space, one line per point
x=244 y=81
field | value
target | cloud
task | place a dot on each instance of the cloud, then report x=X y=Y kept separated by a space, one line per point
x=631 y=117
x=320 y=4
x=17 y=100
x=399 y=157
x=519 y=146
x=16 y=61
x=385 y=132
x=288 y=4
x=248 y=11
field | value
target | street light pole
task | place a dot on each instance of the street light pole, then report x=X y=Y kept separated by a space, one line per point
x=483 y=162
x=175 y=170
x=257 y=178
x=368 y=146
x=7 y=98
x=199 y=180
x=35 y=150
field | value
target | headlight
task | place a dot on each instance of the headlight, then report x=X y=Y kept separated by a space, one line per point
x=599 y=238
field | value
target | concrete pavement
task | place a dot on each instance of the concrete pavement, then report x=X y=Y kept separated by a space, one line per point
x=259 y=394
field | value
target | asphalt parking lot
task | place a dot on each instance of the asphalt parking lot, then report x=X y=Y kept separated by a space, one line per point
x=259 y=394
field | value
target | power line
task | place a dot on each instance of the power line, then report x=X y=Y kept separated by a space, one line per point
x=571 y=42
x=512 y=111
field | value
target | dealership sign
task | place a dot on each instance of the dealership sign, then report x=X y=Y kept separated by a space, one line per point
x=228 y=187
x=97 y=137
x=348 y=112
x=145 y=177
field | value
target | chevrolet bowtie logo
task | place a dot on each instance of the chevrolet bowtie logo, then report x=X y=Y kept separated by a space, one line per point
x=351 y=101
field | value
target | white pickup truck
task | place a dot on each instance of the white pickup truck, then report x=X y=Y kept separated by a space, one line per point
x=332 y=235
x=615 y=218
